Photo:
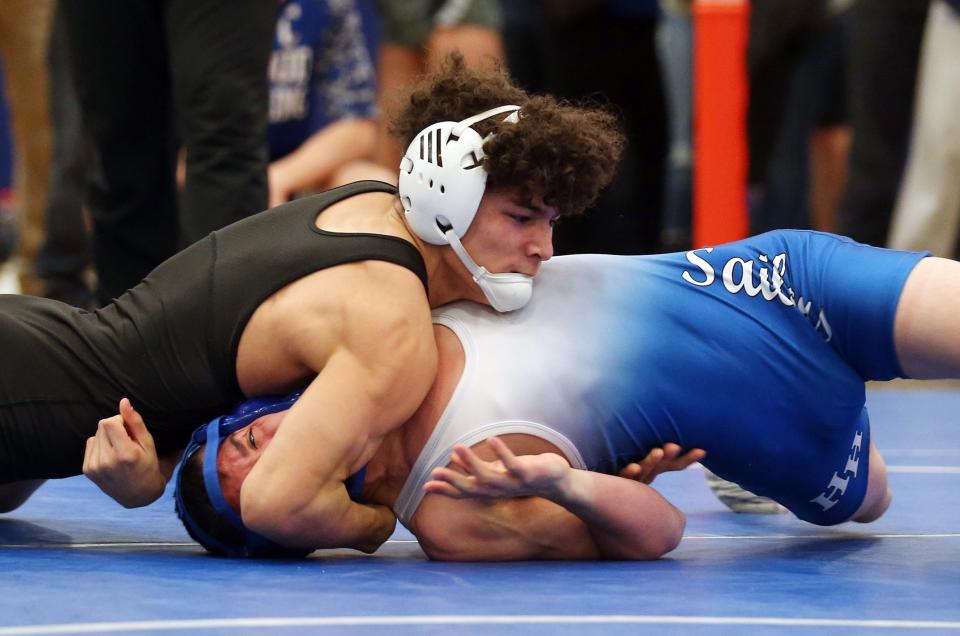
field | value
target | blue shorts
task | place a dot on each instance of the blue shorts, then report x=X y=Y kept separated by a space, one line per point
x=843 y=470
x=857 y=288
x=791 y=423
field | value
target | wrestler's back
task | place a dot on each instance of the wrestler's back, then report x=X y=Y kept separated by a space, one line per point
x=169 y=344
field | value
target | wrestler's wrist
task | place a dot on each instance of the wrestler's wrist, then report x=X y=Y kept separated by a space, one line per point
x=379 y=531
x=570 y=488
x=150 y=488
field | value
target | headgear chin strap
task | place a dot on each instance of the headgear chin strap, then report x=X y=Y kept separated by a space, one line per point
x=442 y=181
x=506 y=292
x=210 y=436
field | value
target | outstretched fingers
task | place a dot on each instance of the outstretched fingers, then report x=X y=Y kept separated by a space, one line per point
x=691 y=458
x=472 y=476
x=445 y=481
x=661 y=460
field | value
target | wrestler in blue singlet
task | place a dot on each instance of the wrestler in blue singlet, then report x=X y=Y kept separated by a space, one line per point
x=756 y=351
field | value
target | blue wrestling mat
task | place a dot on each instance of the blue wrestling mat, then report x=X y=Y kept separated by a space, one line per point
x=74 y=562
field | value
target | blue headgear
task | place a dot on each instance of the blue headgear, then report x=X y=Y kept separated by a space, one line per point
x=211 y=435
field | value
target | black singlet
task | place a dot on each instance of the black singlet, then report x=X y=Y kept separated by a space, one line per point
x=169 y=344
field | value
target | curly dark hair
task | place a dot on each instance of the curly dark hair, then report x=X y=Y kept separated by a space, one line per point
x=565 y=153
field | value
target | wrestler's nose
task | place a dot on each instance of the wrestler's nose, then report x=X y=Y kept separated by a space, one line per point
x=541 y=245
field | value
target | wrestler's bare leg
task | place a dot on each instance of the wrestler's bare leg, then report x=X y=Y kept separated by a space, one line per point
x=13 y=495
x=878 y=496
x=927 y=340
x=927 y=324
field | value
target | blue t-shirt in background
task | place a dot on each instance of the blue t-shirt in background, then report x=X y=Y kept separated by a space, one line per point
x=322 y=69
x=6 y=144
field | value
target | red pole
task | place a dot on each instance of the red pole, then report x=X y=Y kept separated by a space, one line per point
x=720 y=107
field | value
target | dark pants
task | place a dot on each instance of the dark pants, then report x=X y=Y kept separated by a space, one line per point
x=65 y=253
x=796 y=86
x=884 y=52
x=153 y=76
x=604 y=57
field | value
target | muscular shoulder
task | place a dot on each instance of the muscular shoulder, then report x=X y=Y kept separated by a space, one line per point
x=392 y=289
x=373 y=311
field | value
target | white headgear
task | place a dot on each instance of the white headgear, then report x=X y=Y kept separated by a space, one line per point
x=441 y=184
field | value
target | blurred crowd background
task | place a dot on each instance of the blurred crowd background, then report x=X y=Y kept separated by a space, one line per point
x=131 y=128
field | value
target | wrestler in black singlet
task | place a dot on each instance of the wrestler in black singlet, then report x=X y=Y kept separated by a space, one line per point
x=169 y=344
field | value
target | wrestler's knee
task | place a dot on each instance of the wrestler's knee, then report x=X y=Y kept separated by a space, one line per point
x=12 y=496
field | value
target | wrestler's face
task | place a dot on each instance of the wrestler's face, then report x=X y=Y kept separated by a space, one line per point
x=240 y=452
x=510 y=234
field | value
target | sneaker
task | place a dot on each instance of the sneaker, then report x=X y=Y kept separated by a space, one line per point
x=8 y=226
x=739 y=499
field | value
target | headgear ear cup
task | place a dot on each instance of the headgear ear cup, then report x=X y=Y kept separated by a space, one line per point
x=442 y=181
x=209 y=437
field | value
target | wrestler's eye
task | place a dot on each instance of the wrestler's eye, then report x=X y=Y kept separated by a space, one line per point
x=250 y=438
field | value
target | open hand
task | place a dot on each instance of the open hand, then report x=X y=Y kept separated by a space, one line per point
x=661 y=460
x=508 y=476
x=122 y=460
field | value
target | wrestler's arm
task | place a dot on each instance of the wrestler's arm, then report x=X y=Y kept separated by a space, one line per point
x=318 y=158
x=369 y=385
x=538 y=507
